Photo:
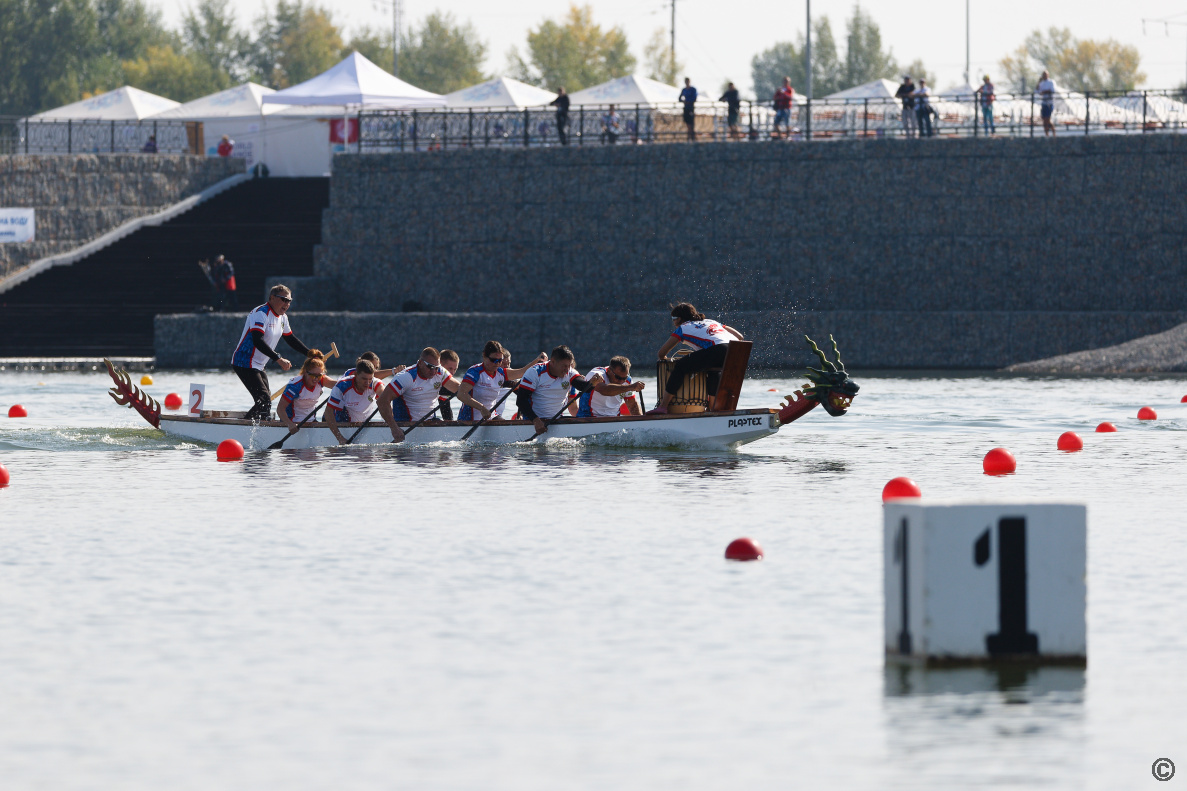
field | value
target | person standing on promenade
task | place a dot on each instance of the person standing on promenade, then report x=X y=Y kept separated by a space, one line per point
x=616 y=389
x=545 y=388
x=611 y=126
x=264 y=328
x=906 y=92
x=226 y=146
x=1046 y=89
x=223 y=272
x=733 y=105
x=923 y=109
x=688 y=97
x=783 y=99
x=561 y=102
x=987 y=99
x=711 y=340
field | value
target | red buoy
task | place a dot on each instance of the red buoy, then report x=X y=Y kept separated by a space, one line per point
x=3 y=476
x=775 y=390
x=999 y=461
x=898 y=488
x=1183 y=400
x=1070 y=441
x=1146 y=413
x=230 y=450
x=743 y=549
x=1106 y=428
x=173 y=401
x=16 y=410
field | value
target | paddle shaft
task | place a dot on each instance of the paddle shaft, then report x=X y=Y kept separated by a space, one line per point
x=554 y=417
x=280 y=442
x=493 y=412
x=375 y=412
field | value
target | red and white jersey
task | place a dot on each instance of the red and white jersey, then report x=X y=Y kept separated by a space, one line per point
x=262 y=319
x=594 y=404
x=703 y=334
x=346 y=398
x=302 y=398
x=419 y=394
x=548 y=394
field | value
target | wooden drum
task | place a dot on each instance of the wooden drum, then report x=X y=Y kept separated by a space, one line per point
x=693 y=395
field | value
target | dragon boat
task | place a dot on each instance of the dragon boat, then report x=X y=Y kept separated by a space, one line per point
x=725 y=427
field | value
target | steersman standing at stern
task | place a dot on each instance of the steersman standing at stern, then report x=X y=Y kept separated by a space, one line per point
x=264 y=328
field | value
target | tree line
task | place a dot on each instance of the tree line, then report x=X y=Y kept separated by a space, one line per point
x=54 y=52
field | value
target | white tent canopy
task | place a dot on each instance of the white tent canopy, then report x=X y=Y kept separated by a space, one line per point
x=356 y=82
x=1158 y=108
x=628 y=90
x=242 y=101
x=875 y=89
x=122 y=104
x=500 y=92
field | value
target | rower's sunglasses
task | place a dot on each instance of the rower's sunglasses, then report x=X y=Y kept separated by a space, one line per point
x=618 y=377
x=285 y=300
x=495 y=359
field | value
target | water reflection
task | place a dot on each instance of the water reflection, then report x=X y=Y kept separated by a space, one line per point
x=1017 y=682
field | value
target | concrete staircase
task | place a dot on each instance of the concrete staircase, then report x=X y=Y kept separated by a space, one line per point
x=105 y=303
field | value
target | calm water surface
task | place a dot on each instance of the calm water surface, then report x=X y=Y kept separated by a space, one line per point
x=560 y=617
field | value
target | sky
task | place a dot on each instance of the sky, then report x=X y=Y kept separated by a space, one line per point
x=717 y=40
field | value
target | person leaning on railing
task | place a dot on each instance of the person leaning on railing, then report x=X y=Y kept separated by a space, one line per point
x=987 y=99
x=561 y=102
x=783 y=98
x=906 y=92
x=611 y=126
x=688 y=97
x=733 y=104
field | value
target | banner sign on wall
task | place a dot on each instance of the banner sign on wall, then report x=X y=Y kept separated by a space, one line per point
x=16 y=225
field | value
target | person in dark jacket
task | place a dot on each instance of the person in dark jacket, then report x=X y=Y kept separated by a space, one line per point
x=733 y=105
x=688 y=97
x=561 y=102
x=905 y=93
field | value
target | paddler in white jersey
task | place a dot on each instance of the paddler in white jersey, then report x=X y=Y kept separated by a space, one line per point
x=546 y=386
x=710 y=339
x=353 y=398
x=608 y=398
x=484 y=383
x=301 y=395
x=413 y=393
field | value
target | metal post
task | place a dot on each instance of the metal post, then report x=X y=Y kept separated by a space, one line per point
x=865 y=117
x=637 y=116
x=358 y=148
x=526 y=131
x=1087 y=110
x=750 y=106
x=976 y=109
x=414 y=131
x=70 y=136
x=808 y=70
x=966 y=43
x=113 y=137
x=26 y=134
x=1032 y=113
x=470 y=129
x=1143 y=112
x=581 y=120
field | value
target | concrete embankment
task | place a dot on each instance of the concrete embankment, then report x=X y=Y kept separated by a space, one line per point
x=1163 y=352
x=867 y=339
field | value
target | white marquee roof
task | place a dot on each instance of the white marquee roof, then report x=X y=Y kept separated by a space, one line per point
x=242 y=101
x=628 y=90
x=122 y=104
x=500 y=92
x=356 y=81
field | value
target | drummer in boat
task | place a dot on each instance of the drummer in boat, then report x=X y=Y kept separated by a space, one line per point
x=262 y=331
x=546 y=387
x=485 y=383
x=709 y=338
x=412 y=394
x=301 y=395
x=616 y=390
x=353 y=398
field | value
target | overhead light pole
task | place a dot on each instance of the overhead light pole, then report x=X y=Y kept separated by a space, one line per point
x=967 y=70
x=395 y=38
x=808 y=69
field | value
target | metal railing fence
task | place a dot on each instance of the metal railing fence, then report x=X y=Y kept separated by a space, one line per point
x=1103 y=112
x=67 y=136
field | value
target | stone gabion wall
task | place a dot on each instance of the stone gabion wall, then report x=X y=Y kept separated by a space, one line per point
x=79 y=197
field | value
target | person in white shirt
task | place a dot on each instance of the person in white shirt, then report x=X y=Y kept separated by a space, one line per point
x=484 y=384
x=1046 y=89
x=264 y=328
x=413 y=393
x=301 y=395
x=617 y=389
x=547 y=386
x=710 y=339
x=923 y=109
x=353 y=397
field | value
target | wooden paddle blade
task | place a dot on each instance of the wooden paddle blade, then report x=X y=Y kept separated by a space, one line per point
x=333 y=350
x=278 y=444
x=733 y=373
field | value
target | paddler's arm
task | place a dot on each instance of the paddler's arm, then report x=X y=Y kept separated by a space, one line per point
x=735 y=332
x=463 y=395
x=385 y=411
x=523 y=400
x=444 y=395
x=666 y=349
x=607 y=389
x=517 y=373
x=332 y=421
x=633 y=406
x=282 y=413
x=582 y=385
x=257 y=340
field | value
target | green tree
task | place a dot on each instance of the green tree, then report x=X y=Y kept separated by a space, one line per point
x=785 y=59
x=865 y=59
x=574 y=53
x=1074 y=64
x=211 y=36
x=374 y=45
x=296 y=41
x=441 y=55
x=658 y=59
x=47 y=53
x=125 y=31
x=917 y=71
x=177 y=75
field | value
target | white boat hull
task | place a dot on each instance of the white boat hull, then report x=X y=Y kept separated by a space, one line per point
x=706 y=429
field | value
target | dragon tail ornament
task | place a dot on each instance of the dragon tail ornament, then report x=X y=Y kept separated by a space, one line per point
x=127 y=394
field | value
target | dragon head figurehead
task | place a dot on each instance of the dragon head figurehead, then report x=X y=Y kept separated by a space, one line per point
x=829 y=386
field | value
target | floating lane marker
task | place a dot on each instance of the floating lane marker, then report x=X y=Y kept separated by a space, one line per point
x=16 y=410
x=1106 y=428
x=4 y=478
x=743 y=549
x=999 y=461
x=173 y=401
x=899 y=488
x=1146 y=413
x=1070 y=442
x=230 y=450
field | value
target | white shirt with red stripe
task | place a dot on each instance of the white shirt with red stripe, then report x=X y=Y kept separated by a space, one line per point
x=358 y=406
x=301 y=396
x=263 y=320
x=703 y=334
x=419 y=394
x=549 y=393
